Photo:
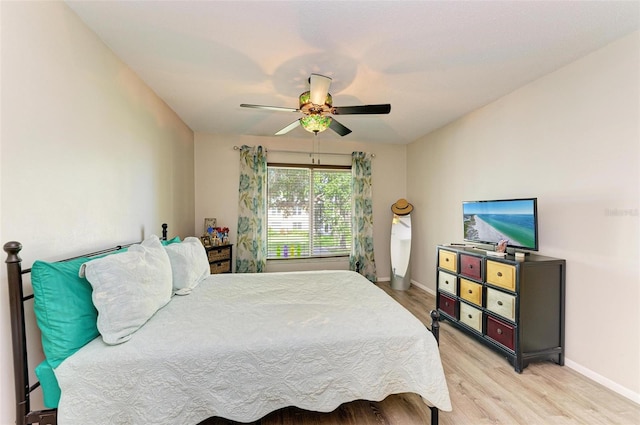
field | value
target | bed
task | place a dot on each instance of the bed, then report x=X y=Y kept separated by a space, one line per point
x=236 y=346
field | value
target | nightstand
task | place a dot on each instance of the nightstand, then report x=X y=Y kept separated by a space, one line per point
x=220 y=258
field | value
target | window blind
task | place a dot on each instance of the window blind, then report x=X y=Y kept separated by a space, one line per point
x=309 y=212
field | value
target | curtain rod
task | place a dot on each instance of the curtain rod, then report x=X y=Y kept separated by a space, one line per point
x=237 y=148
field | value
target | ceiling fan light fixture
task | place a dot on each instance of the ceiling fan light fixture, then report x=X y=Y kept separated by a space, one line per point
x=315 y=123
x=307 y=106
x=316 y=105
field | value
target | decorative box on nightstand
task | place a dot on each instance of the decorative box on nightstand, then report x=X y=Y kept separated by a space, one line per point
x=220 y=258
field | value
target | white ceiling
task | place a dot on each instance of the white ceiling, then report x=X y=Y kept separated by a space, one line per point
x=432 y=61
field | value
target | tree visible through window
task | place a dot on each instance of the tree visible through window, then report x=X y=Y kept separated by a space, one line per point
x=309 y=211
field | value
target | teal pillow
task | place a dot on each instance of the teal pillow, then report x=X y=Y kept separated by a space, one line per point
x=49 y=385
x=63 y=307
x=170 y=241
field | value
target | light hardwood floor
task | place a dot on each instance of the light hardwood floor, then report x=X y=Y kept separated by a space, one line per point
x=484 y=389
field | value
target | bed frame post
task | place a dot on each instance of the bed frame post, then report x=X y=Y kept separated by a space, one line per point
x=435 y=325
x=164 y=231
x=24 y=415
x=18 y=338
x=435 y=330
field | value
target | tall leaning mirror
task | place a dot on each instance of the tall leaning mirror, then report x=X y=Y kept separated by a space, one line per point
x=401 y=245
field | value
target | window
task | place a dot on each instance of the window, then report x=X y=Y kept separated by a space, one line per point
x=309 y=211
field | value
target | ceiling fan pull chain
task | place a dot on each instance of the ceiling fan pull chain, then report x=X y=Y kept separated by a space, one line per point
x=317 y=147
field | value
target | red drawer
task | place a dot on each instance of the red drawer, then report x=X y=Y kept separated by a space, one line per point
x=471 y=266
x=501 y=332
x=448 y=305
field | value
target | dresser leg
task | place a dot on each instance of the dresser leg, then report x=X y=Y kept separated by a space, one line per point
x=518 y=364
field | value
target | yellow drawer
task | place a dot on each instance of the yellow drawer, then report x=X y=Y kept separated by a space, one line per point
x=447 y=282
x=448 y=260
x=501 y=303
x=471 y=316
x=502 y=275
x=471 y=291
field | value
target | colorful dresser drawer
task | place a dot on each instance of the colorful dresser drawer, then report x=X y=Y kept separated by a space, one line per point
x=471 y=316
x=471 y=266
x=448 y=260
x=501 y=332
x=471 y=291
x=448 y=305
x=447 y=282
x=500 y=303
x=502 y=275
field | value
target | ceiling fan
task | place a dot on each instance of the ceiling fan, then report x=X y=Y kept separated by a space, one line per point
x=317 y=106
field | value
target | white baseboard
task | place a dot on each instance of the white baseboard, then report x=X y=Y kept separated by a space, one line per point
x=413 y=282
x=424 y=288
x=613 y=386
x=606 y=382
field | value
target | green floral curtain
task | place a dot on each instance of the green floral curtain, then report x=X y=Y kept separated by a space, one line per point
x=362 y=216
x=251 y=245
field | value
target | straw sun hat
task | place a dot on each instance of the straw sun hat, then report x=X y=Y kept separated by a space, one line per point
x=402 y=207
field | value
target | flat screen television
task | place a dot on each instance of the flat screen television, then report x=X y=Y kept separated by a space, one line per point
x=514 y=220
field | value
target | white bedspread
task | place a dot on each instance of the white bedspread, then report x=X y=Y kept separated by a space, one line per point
x=243 y=345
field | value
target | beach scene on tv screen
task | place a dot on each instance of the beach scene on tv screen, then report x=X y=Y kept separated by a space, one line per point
x=498 y=220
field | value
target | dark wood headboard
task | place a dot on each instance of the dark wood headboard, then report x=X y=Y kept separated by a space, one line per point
x=23 y=389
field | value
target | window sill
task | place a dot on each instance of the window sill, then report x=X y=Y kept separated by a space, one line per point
x=306 y=264
x=310 y=259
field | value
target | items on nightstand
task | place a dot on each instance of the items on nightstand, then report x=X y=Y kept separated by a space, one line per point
x=220 y=236
x=209 y=225
x=206 y=240
x=214 y=236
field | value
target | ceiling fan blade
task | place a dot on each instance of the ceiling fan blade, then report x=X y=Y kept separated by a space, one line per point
x=319 y=87
x=362 y=109
x=339 y=128
x=288 y=128
x=271 y=108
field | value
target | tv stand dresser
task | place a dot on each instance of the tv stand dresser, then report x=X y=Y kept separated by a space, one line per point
x=514 y=306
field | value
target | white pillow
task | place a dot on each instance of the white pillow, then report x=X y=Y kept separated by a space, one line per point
x=128 y=288
x=189 y=264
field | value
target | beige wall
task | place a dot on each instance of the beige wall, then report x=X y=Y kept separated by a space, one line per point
x=217 y=168
x=572 y=140
x=90 y=157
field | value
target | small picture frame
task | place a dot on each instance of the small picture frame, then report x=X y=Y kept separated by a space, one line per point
x=209 y=225
x=206 y=240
